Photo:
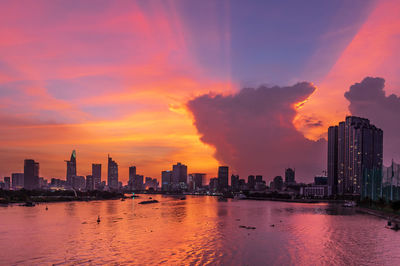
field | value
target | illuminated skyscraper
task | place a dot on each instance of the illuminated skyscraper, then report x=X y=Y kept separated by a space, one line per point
x=71 y=168
x=112 y=180
x=355 y=152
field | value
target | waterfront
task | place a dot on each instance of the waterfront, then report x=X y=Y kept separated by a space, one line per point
x=198 y=230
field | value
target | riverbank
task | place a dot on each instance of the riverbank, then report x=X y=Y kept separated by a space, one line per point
x=297 y=200
x=394 y=217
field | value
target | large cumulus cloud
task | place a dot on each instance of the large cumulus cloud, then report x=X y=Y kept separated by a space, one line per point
x=253 y=132
x=368 y=99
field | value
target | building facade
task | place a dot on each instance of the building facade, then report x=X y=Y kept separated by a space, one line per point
x=31 y=174
x=96 y=174
x=112 y=175
x=71 y=168
x=355 y=152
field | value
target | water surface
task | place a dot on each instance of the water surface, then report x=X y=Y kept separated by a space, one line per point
x=198 y=230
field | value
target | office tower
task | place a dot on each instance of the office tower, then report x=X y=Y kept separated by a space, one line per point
x=112 y=175
x=17 y=180
x=359 y=157
x=213 y=185
x=138 y=182
x=78 y=182
x=223 y=177
x=132 y=176
x=277 y=184
x=289 y=176
x=251 y=182
x=166 y=180
x=71 y=168
x=198 y=180
x=96 y=174
x=243 y=185
x=259 y=178
x=179 y=176
x=31 y=174
x=7 y=183
x=333 y=159
x=151 y=183
x=235 y=183
x=89 y=183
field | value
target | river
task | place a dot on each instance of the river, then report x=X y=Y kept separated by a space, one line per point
x=198 y=230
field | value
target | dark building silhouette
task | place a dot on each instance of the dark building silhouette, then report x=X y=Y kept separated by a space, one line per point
x=31 y=174
x=17 y=180
x=355 y=149
x=277 y=184
x=333 y=166
x=223 y=178
x=132 y=177
x=112 y=175
x=196 y=180
x=235 y=183
x=290 y=176
x=71 y=168
x=259 y=178
x=251 y=182
x=213 y=185
x=138 y=182
x=7 y=183
x=96 y=174
x=320 y=180
x=179 y=176
x=89 y=183
x=166 y=180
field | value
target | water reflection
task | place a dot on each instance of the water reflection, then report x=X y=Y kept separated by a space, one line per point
x=198 y=230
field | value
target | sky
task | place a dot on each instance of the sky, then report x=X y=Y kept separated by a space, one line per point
x=152 y=83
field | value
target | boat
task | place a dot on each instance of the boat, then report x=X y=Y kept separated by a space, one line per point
x=183 y=198
x=123 y=199
x=349 y=204
x=47 y=208
x=98 y=219
x=148 y=201
x=239 y=196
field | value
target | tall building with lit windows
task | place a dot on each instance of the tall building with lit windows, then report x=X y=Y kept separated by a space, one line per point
x=355 y=155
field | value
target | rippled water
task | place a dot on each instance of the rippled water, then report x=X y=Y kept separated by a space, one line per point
x=198 y=230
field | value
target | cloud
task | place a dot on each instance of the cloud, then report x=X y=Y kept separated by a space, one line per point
x=253 y=130
x=368 y=99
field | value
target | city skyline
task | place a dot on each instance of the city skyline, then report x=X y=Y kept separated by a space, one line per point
x=88 y=88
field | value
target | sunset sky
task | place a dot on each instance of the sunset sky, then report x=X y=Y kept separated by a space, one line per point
x=125 y=78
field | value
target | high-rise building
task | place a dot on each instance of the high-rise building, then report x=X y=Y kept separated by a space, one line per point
x=112 y=175
x=290 y=176
x=31 y=174
x=17 y=180
x=235 y=183
x=198 y=179
x=251 y=182
x=96 y=174
x=132 y=176
x=358 y=146
x=223 y=178
x=179 y=176
x=89 y=183
x=166 y=180
x=213 y=185
x=138 y=182
x=277 y=184
x=333 y=166
x=259 y=178
x=71 y=168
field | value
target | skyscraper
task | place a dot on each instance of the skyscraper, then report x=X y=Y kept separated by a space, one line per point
x=289 y=176
x=96 y=174
x=223 y=177
x=89 y=183
x=132 y=176
x=179 y=176
x=31 y=174
x=251 y=182
x=235 y=183
x=112 y=175
x=166 y=180
x=358 y=146
x=333 y=166
x=71 y=168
